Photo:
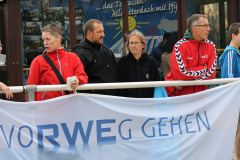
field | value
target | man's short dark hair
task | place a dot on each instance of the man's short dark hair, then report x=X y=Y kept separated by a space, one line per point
x=193 y=20
x=89 y=25
x=233 y=29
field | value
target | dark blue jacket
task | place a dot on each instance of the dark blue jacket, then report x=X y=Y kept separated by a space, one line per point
x=156 y=54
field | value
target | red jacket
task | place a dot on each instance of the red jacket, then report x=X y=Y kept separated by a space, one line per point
x=190 y=60
x=67 y=63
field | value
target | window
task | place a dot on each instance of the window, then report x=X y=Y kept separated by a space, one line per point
x=3 y=73
x=35 y=15
x=2 y=27
x=218 y=22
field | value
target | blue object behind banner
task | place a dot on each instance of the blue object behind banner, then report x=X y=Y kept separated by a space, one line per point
x=160 y=92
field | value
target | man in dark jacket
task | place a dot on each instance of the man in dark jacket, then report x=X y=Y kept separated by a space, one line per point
x=98 y=60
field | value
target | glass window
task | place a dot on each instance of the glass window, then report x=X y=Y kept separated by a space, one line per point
x=3 y=73
x=2 y=28
x=218 y=22
x=35 y=15
x=79 y=20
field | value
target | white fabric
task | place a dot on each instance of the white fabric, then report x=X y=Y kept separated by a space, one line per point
x=107 y=127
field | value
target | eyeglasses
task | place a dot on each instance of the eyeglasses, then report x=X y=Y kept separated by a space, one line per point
x=205 y=25
x=136 y=43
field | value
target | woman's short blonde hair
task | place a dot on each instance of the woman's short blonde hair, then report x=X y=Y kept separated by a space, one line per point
x=53 y=29
x=140 y=35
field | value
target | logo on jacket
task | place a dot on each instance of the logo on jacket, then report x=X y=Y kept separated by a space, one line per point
x=147 y=76
x=205 y=56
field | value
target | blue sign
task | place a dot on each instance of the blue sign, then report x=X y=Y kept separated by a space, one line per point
x=153 y=18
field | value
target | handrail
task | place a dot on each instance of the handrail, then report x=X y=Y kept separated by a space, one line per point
x=16 y=89
x=100 y=86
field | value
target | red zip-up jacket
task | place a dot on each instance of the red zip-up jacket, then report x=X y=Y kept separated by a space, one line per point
x=191 y=60
x=67 y=63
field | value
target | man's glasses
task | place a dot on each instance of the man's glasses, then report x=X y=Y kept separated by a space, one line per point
x=205 y=25
x=136 y=43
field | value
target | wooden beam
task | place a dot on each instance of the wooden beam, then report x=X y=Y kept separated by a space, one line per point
x=72 y=23
x=125 y=20
x=233 y=11
x=13 y=45
x=182 y=17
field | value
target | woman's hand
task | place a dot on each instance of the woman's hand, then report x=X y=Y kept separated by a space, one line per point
x=74 y=83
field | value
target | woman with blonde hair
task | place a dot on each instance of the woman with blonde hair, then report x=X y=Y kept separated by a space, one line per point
x=137 y=66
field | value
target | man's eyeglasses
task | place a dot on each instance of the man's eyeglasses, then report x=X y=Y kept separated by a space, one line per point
x=205 y=25
x=136 y=43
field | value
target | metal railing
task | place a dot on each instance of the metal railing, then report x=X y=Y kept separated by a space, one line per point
x=31 y=89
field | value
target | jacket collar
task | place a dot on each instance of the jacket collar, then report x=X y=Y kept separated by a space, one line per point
x=58 y=52
x=188 y=35
x=142 y=58
x=94 y=45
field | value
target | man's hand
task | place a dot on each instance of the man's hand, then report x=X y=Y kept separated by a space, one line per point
x=179 y=87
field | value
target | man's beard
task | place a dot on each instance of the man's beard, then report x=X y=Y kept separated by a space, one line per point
x=96 y=41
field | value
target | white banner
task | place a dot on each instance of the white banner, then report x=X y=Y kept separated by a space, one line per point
x=90 y=127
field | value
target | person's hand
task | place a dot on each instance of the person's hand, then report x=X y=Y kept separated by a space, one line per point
x=6 y=90
x=74 y=83
x=179 y=87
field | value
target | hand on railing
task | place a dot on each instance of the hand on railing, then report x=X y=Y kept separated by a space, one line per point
x=179 y=87
x=6 y=90
x=72 y=83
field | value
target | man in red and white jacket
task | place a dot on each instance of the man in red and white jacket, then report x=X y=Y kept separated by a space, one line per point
x=193 y=57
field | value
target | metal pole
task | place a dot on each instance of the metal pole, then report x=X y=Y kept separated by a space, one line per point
x=31 y=89
x=90 y=86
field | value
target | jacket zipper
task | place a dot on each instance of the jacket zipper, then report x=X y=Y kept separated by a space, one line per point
x=138 y=77
x=198 y=60
x=44 y=94
x=106 y=65
x=59 y=67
